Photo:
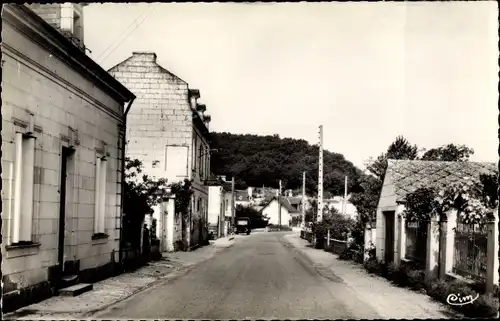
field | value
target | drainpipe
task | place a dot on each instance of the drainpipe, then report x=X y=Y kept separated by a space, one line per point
x=124 y=142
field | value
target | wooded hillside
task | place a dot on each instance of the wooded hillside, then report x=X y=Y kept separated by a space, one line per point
x=264 y=160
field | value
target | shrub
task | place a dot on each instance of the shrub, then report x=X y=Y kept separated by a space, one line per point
x=373 y=266
x=397 y=274
x=416 y=279
x=437 y=289
x=485 y=306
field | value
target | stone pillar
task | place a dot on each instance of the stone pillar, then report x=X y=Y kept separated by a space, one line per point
x=328 y=239
x=401 y=240
x=170 y=223
x=443 y=238
x=432 y=252
x=492 y=252
x=450 y=239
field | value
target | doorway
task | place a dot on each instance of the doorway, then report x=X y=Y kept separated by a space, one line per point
x=66 y=158
x=389 y=236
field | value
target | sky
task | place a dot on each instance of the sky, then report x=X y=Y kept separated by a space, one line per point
x=367 y=72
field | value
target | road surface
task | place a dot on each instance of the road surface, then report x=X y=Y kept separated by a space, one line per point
x=260 y=277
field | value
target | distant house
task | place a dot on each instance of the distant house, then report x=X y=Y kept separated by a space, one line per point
x=218 y=205
x=399 y=241
x=169 y=132
x=63 y=126
x=271 y=211
x=337 y=202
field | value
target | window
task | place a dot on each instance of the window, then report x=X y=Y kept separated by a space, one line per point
x=193 y=148
x=198 y=206
x=200 y=161
x=100 y=195
x=176 y=161
x=24 y=166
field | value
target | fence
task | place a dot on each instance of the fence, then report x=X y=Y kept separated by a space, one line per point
x=336 y=246
x=470 y=248
x=416 y=241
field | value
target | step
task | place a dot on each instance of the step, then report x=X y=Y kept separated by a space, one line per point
x=69 y=280
x=76 y=289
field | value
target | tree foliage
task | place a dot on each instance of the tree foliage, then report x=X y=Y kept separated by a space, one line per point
x=472 y=200
x=366 y=201
x=338 y=225
x=141 y=194
x=264 y=160
x=450 y=152
x=399 y=149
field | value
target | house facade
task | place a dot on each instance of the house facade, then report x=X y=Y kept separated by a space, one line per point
x=168 y=131
x=63 y=120
x=271 y=211
x=218 y=205
x=418 y=243
x=345 y=207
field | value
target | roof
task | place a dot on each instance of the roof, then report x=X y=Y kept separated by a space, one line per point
x=295 y=200
x=34 y=27
x=284 y=202
x=409 y=175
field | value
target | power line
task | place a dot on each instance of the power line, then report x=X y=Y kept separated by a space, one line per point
x=124 y=31
x=119 y=44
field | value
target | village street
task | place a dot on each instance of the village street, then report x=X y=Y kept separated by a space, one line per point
x=269 y=276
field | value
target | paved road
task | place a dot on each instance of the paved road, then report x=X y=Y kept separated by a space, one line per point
x=260 y=277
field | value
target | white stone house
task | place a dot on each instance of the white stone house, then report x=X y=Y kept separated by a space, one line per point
x=399 y=242
x=168 y=131
x=63 y=120
x=271 y=211
x=218 y=204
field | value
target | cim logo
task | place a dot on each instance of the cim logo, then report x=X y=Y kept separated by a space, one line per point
x=457 y=299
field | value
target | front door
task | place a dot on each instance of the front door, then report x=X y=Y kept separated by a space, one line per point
x=65 y=154
x=389 y=236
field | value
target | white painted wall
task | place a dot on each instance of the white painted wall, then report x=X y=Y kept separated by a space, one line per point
x=271 y=211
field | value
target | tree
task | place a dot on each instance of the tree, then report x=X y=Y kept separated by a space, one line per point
x=141 y=194
x=366 y=201
x=399 y=149
x=450 y=152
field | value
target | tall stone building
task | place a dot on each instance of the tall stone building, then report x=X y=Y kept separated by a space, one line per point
x=168 y=131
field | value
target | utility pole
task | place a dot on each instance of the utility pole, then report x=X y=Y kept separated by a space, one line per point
x=279 y=208
x=320 y=176
x=303 y=223
x=233 y=210
x=344 y=204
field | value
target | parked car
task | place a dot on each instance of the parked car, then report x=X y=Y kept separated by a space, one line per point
x=243 y=225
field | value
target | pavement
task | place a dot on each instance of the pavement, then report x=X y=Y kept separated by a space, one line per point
x=115 y=289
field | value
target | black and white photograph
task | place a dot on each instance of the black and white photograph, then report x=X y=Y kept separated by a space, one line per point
x=250 y=160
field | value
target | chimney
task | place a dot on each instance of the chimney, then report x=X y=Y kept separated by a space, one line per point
x=144 y=56
x=67 y=18
x=194 y=95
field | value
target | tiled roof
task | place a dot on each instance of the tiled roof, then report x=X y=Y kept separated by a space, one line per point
x=409 y=175
x=295 y=200
x=284 y=202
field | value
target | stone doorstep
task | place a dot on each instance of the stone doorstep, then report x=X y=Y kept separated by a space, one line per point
x=76 y=289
